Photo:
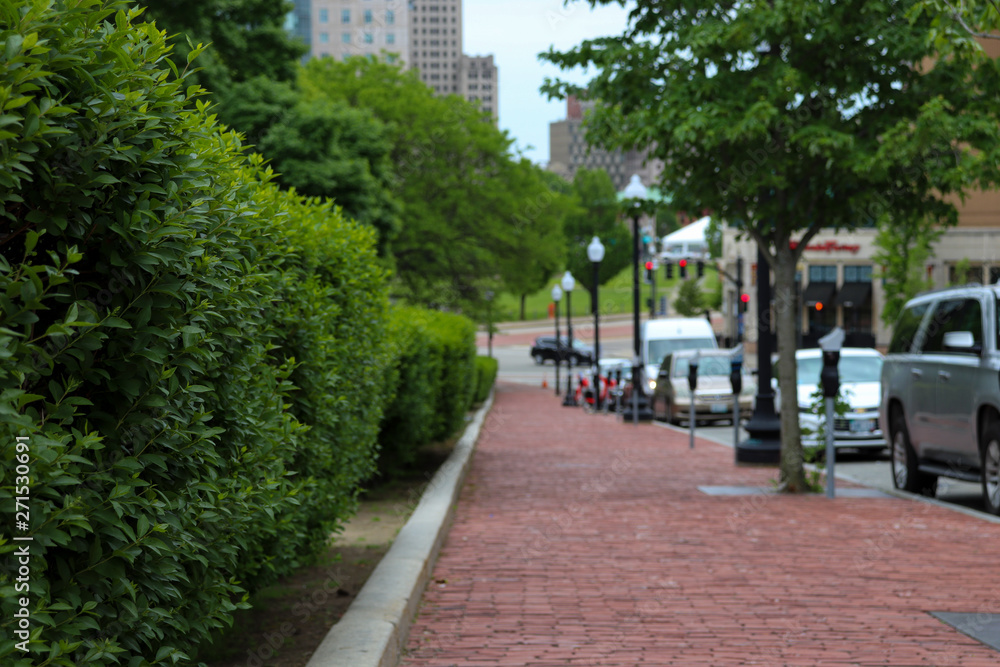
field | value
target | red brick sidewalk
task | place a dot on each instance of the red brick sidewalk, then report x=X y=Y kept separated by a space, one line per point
x=581 y=540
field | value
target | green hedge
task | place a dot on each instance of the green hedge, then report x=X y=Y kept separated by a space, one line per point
x=195 y=357
x=434 y=376
x=486 y=376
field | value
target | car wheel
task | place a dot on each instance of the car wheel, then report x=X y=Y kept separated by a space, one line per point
x=905 y=475
x=539 y=358
x=991 y=467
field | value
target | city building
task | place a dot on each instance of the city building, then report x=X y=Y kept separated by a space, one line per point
x=838 y=282
x=569 y=150
x=425 y=35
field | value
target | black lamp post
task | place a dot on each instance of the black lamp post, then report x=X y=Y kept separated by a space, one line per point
x=764 y=427
x=489 y=321
x=595 y=253
x=640 y=405
x=568 y=283
x=557 y=297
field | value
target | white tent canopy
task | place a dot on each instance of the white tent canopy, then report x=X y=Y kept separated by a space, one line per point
x=688 y=240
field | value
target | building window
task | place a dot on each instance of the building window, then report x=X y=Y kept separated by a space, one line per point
x=345 y=16
x=368 y=38
x=345 y=37
x=324 y=16
x=390 y=38
x=823 y=273
x=857 y=274
x=368 y=16
x=324 y=37
x=390 y=17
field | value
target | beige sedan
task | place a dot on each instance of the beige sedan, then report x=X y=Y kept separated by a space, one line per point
x=713 y=396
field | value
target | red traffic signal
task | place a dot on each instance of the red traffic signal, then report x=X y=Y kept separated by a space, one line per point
x=745 y=298
x=649 y=266
x=683 y=263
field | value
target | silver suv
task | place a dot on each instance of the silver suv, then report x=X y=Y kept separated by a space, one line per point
x=941 y=391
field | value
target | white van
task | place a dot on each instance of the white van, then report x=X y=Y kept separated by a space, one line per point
x=658 y=338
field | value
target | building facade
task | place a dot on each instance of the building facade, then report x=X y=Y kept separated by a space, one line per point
x=839 y=284
x=569 y=150
x=425 y=35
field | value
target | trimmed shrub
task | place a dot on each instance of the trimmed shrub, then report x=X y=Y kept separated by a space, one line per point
x=434 y=377
x=486 y=376
x=194 y=357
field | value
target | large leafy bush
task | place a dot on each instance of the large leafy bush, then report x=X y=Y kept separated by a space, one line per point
x=194 y=355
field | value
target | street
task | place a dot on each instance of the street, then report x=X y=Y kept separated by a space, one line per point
x=515 y=365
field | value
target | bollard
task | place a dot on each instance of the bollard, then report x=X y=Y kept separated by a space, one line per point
x=693 y=384
x=736 y=380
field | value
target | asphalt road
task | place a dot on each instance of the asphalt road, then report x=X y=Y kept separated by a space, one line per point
x=871 y=469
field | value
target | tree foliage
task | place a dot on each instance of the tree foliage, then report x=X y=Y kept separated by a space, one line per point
x=474 y=216
x=598 y=214
x=690 y=300
x=787 y=118
x=321 y=149
x=244 y=38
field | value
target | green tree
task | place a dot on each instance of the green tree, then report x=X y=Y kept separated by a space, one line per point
x=475 y=217
x=598 y=214
x=690 y=300
x=785 y=118
x=902 y=249
x=245 y=38
x=322 y=149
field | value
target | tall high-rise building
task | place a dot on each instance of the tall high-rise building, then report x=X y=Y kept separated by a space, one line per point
x=425 y=35
x=569 y=150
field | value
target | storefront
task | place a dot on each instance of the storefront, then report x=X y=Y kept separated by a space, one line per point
x=838 y=285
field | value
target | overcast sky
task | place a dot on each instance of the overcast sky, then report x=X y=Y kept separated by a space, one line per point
x=515 y=32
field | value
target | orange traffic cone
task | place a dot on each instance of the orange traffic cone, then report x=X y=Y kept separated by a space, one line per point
x=545 y=382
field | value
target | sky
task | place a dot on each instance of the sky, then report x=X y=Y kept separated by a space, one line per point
x=515 y=32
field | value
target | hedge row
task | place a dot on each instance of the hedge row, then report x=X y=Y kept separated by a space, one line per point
x=197 y=362
x=486 y=376
x=434 y=374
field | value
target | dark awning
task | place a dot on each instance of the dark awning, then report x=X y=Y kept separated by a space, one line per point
x=854 y=294
x=819 y=293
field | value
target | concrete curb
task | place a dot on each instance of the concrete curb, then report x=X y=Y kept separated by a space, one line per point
x=373 y=631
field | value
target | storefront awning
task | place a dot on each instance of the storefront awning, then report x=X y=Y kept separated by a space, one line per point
x=819 y=293
x=854 y=294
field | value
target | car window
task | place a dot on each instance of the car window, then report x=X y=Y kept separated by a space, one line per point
x=660 y=347
x=953 y=315
x=906 y=328
x=850 y=368
x=707 y=366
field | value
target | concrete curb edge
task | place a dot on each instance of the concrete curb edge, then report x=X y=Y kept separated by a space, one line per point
x=373 y=631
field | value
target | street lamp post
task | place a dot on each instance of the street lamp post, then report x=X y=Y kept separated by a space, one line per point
x=556 y=297
x=764 y=427
x=568 y=283
x=636 y=191
x=489 y=321
x=595 y=253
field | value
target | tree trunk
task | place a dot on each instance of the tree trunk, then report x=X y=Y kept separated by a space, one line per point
x=792 y=474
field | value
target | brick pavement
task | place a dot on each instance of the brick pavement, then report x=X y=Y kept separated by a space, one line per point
x=581 y=540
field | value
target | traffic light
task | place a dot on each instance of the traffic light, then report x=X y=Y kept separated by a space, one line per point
x=683 y=264
x=744 y=300
x=701 y=267
x=670 y=270
x=649 y=272
x=819 y=306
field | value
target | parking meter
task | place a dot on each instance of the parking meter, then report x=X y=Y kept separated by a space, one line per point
x=829 y=379
x=693 y=384
x=736 y=380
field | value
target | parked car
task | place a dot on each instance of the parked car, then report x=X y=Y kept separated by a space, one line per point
x=713 y=397
x=658 y=338
x=546 y=349
x=940 y=391
x=860 y=383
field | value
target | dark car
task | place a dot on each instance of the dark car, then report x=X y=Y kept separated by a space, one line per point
x=546 y=349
